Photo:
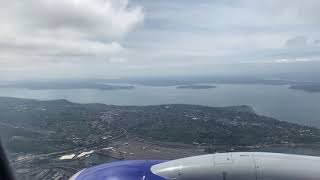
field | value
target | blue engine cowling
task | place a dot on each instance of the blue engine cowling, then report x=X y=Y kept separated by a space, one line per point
x=121 y=170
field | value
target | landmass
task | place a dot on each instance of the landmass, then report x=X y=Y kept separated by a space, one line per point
x=186 y=80
x=66 y=85
x=47 y=139
x=196 y=86
x=307 y=88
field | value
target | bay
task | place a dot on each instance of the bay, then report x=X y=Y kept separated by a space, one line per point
x=270 y=100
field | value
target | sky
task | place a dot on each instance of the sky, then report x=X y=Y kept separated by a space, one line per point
x=42 y=39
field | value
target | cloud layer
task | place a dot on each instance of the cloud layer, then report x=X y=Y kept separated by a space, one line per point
x=107 y=38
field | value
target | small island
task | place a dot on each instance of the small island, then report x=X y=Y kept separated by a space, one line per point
x=307 y=88
x=196 y=86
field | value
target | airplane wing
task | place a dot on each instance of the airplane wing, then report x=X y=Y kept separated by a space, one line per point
x=5 y=170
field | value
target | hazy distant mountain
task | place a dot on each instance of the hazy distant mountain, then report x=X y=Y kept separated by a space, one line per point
x=196 y=86
x=307 y=88
x=65 y=85
x=300 y=76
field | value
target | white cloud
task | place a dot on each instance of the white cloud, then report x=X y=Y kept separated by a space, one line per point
x=297 y=60
x=65 y=28
x=282 y=61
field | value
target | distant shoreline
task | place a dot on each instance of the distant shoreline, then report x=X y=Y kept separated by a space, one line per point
x=65 y=86
x=196 y=86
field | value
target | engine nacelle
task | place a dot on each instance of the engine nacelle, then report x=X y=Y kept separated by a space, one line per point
x=241 y=166
x=224 y=166
x=120 y=170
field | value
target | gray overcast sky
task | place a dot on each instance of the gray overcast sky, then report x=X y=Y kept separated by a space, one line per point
x=112 y=38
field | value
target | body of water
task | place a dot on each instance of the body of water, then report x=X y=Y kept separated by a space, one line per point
x=275 y=101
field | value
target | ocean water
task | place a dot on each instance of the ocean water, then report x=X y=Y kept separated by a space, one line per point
x=271 y=100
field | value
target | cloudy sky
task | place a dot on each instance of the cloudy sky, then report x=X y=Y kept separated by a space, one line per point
x=114 y=38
